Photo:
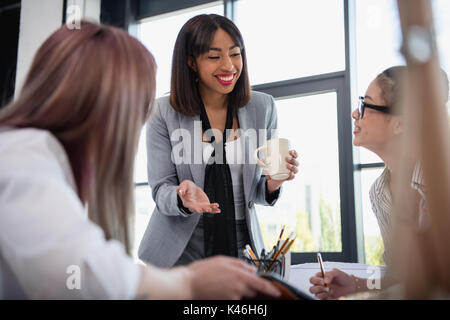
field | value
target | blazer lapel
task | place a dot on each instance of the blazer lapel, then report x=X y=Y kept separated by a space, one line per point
x=192 y=145
x=247 y=120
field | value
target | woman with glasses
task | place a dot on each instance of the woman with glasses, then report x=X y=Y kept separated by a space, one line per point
x=378 y=127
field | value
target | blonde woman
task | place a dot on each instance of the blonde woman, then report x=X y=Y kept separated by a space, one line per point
x=67 y=144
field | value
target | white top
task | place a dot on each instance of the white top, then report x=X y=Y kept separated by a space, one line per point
x=235 y=158
x=48 y=246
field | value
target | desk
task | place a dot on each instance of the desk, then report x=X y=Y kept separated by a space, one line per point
x=299 y=274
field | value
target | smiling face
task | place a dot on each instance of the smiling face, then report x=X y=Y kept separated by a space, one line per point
x=376 y=130
x=219 y=68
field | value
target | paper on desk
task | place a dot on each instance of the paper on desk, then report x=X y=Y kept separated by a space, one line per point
x=357 y=267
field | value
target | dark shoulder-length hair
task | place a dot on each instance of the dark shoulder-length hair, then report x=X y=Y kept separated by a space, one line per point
x=194 y=39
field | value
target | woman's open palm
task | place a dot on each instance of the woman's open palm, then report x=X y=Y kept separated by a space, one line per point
x=195 y=199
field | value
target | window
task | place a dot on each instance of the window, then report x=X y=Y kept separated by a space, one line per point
x=161 y=45
x=159 y=33
x=310 y=204
x=288 y=39
x=144 y=206
x=373 y=244
x=378 y=40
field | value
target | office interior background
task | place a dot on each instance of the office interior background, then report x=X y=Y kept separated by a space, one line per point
x=314 y=56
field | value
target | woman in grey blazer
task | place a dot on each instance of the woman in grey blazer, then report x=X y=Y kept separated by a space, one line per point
x=188 y=164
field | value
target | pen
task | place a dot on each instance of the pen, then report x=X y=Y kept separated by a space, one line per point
x=288 y=247
x=250 y=252
x=319 y=258
x=280 y=251
x=281 y=233
x=274 y=249
x=279 y=238
x=247 y=255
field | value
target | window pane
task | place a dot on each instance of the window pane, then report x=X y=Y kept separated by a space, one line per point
x=140 y=164
x=144 y=206
x=373 y=243
x=441 y=11
x=159 y=34
x=379 y=40
x=367 y=156
x=310 y=204
x=378 y=37
x=288 y=39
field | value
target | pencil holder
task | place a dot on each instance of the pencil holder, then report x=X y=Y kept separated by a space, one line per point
x=277 y=266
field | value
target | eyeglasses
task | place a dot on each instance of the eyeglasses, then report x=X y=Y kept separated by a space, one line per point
x=363 y=105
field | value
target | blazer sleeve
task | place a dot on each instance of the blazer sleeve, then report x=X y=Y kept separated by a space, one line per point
x=262 y=196
x=161 y=171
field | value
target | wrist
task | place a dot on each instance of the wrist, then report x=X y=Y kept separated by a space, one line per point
x=162 y=284
x=187 y=281
x=191 y=281
x=359 y=284
x=272 y=186
x=181 y=206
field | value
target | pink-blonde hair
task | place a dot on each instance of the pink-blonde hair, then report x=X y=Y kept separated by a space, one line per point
x=92 y=88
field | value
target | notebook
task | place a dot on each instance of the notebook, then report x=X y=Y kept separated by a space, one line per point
x=288 y=291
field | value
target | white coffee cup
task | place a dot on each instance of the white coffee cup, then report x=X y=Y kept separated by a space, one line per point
x=276 y=151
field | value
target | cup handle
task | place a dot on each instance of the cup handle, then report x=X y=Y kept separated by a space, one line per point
x=255 y=156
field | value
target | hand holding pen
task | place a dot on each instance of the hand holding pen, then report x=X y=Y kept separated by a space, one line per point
x=322 y=270
x=332 y=284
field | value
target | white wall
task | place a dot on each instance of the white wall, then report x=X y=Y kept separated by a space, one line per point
x=90 y=9
x=38 y=19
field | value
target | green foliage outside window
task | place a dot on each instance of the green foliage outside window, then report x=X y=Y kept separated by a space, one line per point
x=330 y=231
x=330 y=240
x=305 y=240
x=374 y=248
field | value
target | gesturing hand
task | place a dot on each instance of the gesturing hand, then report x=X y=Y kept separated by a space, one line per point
x=195 y=199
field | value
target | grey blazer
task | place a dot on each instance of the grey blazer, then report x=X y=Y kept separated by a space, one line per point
x=174 y=154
